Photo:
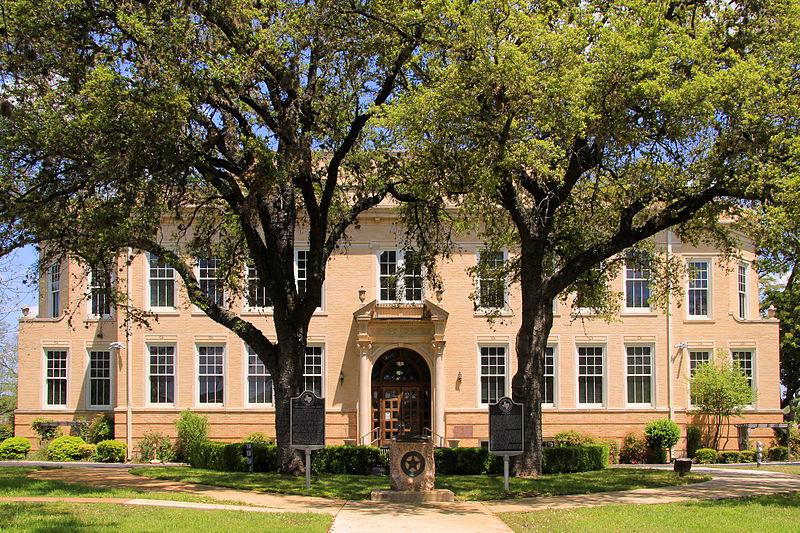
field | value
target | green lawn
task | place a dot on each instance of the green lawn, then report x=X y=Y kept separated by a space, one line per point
x=464 y=487
x=47 y=517
x=786 y=469
x=779 y=514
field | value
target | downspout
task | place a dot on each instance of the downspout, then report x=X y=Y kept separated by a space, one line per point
x=669 y=336
x=129 y=378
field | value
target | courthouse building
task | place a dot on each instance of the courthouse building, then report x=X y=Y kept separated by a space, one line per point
x=386 y=351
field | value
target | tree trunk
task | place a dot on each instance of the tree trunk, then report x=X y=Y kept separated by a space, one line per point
x=288 y=384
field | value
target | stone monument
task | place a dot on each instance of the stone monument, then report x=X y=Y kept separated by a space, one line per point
x=413 y=472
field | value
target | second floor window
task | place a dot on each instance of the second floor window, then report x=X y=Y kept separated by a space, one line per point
x=162 y=283
x=698 y=288
x=99 y=302
x=491 y=280
x=741 y=283
x=257 y=297
x=637 y=282
x=54 y=288
x=401 y=277
x=209 y=281
x=301 y=271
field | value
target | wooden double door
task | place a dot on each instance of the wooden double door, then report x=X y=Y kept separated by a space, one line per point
x=401 y=395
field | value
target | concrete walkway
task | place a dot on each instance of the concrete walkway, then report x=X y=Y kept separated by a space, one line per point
x=367 y=516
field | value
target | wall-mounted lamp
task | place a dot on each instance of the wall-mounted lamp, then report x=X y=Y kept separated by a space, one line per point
x=341 y=376
x=362 y=294
x=459 y=376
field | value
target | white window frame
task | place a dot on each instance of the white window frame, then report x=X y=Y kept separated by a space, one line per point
x=54 y=290
x=752 y=370
x=708 y=288
x=247 y=375
x=742 y=291
x=304 y=278
x=481 y=375
x=478 y=303
x=247 y=307
x=651 y=374
x=149 y=288
x=48 y=378
x=149 y=375
x=603 y=375
x=554 y=375
x=627 y=278
x=90 y=296
x=90 y=379
x=218 y=285
x=400 y=288
x=709 y=360
x=199 y=376
x=315 y=375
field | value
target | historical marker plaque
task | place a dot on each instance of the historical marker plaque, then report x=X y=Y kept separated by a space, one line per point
x=308 y=420
x=506 y=431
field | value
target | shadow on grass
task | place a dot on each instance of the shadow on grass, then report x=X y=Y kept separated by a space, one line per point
x=39 y=517
x=14 y=482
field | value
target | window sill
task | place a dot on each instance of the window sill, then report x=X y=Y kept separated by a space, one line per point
x=169 y=311
x=699 y=320
x=99 y=408
x=493 y=312
x=633 y=311
x=638 y=406
x=591 y=406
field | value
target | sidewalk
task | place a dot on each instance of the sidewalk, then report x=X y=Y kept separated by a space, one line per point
x=367 y=516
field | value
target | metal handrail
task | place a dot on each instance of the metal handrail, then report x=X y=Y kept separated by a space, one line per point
x=434 y=434
x=370 y=433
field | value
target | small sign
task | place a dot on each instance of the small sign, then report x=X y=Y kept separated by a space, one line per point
x=506 y=432
x=307 y=420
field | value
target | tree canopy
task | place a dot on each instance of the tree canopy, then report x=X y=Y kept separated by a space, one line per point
x=203 y=129
x=574 y=131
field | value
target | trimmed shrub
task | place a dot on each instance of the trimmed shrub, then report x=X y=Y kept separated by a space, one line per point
x=462 y=461
x=87 y=451
x=567 y=459
x=154 y=445
x=694 y=439
x=572 y=437
x=633 y=450
x=46 y=432
x=6 y=431
x=778 y=453
x=65 y=448
x=357 y=460
x=706 y=456
x=656 y=456
x=662 y=433
x=111 y=451
x=14 y=448
x=613 y=450
x=230 y=456
x=101 y=428
x=192 y=428
x=748 y=456
x=257 y=437
x=729 y=457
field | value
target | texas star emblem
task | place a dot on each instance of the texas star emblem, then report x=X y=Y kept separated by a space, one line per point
x=412 y=464
x=505 y=406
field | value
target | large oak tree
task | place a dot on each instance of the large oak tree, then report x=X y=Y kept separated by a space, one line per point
x=240 y=124
x=574 y=131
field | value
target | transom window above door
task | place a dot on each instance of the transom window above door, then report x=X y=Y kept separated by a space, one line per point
x=401 y=277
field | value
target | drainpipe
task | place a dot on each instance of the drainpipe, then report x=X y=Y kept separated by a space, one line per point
x=669 y=337
x=129 y=378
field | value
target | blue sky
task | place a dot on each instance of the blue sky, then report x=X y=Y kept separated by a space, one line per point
x=15 y=294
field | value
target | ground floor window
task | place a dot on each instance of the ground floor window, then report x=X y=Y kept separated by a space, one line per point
x=211 y=374
x=312 y=370
x=99 y=378
x=590 y=374
x=259 y=382
x=162 y=374
x=640 y=374
x=549 y=375
x=744 y=360
x=493 y=373
x=56 y=377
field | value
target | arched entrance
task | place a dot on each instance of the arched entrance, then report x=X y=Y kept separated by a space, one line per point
x=401 y=395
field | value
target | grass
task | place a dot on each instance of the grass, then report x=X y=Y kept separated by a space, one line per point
x=778 y=513
x=464 y=487
x=50 y=517
x=14 y=482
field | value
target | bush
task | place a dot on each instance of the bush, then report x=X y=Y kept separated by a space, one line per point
x=14 y=448
x=778 y=453
x=45 y=431
x=357 y=460
x=694 y=438
x=87 y=451
x=41 y=453
x=154 y=445
x=230 y=457
x=81 y=427
x=192 y=429
x=65 y=448
x=572 y=437
x=613 y=450
x=257 y=437
x=111 y=451
x=461 y=461
x=6 y=431
x=729 y=457
x=633 y=450
x=656 y=456
x=662 y=433
x=567 y=459
x=706 y=456
x=748 y=456
x=101 y=428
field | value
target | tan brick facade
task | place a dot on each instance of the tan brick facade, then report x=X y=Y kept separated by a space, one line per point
x=446 y=332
